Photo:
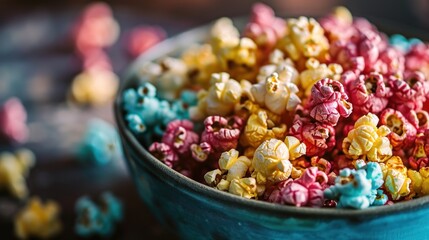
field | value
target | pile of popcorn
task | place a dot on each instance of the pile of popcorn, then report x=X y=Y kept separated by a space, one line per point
x=303 y=112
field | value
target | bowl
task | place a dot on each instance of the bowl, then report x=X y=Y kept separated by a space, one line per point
x=195 y=211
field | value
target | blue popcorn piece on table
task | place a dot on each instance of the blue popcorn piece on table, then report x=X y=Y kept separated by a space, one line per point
x=100 y=143
x=93 y=219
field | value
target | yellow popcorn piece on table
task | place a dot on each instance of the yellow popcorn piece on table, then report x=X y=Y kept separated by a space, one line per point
x=95 y=87
x=14 y=169
x=38 y=220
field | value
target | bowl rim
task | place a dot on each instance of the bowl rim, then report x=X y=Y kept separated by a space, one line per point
x=178 y=180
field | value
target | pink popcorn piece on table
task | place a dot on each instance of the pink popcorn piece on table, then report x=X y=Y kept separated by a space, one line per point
x=141 y=39
x=304 y=191
x=96 y=28
x=368 y=93
x=13 y=118
x=329 y=102
x=264 y=27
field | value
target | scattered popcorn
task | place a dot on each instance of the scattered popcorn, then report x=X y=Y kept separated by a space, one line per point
x=13 y=121
x=93 y=219
x=14 y=168
x=37 y=219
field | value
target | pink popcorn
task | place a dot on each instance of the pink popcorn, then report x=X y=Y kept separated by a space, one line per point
x=408 y=94
x=390 y=62
x=220 y=134
x=179 y=135
x=318 y=137
x=304 y=191
x=13 y=119
x=142 y=38
x=264 y=28
x=96 y=28
x=402 y=132
x=368 y=93
x=329 y=102
x=346 y=54
x=164 y=153
x=417 y=58
x=419 y=156
x=419 y=119
x=338 y=25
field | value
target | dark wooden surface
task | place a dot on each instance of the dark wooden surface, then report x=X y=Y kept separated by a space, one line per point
x=37 y=64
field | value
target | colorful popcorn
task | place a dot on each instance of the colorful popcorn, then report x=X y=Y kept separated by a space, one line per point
x=300 y=112
x=14 y=168
x=37 y=219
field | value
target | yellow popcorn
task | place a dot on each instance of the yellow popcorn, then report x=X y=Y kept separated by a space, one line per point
x=244 y=187
x=271 y=162
x=172 y=78
x=239 y=59
x=230 y=176
x=224 y=34
x=305 y=39
x=201 y=63
x=94 y=86
x=419 y=181
x=284 y=68
x=220 y=99
x=38 y=220
x=296 y=148
x=249 y=107
x=276 y=95
x=315 y=71
x=396 y=180
x=368 y=142
x=235 y=165
x=13 y=171
x=260 y=128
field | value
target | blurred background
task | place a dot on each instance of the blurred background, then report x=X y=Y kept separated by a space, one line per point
x=38 y=62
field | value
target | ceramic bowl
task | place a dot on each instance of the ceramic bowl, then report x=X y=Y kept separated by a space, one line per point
x=195 y=211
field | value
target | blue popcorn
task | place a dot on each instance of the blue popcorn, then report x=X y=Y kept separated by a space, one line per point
x=358 y=188
x=100 y=143
x=402 y=43
x=93 y=219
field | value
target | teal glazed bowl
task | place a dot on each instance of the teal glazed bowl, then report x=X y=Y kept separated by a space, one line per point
x=195 y=211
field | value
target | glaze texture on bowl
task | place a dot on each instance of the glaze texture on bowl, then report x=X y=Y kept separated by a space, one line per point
x=195 y=211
